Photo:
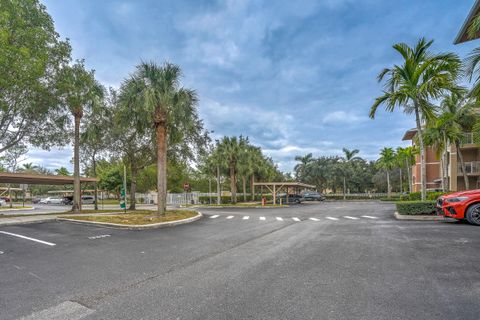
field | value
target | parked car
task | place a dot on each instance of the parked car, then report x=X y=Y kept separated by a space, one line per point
x=36 y=200
x=313 y=196
x=68 y=200
x=3 y=203
x=88 y=199
x=6 y=199
x=463 y=205
x=292 y=198
x=52 y=200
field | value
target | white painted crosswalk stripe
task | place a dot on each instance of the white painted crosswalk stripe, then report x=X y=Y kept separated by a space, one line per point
x=262 y=218
x=279 y=218
x=246 y=218
x=314 y=219
x=215 y=216
x=351 y=218
x=295 y=219
x=331 y=218
x=229 y=217
x=369 y=217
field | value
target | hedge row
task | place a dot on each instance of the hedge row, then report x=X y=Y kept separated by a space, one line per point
x=350 y=197
x=416 y=207
x=414 y=196
x=228 y=199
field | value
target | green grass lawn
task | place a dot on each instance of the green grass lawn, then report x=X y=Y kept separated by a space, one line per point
x=139 y=217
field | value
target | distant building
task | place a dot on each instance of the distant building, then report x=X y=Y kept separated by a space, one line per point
x=455 y=181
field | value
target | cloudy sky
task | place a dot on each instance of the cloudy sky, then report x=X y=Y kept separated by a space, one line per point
x=294 y=76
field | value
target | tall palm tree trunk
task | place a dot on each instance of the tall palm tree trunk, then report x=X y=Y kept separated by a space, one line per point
x=133 y=187
x=95 y=187
x=76 y=162
x=462 y=164
x=233 y=184
x=219 y=191
x=389 y=189
x=401 y=182
x=161 y=167
x=423 y=168
x=252 y=186
x=244 y=188
x=409 y=174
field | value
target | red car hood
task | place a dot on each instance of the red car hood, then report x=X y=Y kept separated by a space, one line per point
x=463 y=193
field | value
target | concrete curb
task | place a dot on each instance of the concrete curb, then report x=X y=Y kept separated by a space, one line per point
x=18 y=222
x=418 y=217
x=135 y=227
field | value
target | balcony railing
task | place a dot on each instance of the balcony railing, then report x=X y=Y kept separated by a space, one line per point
x=472 y=167
x=467 y=138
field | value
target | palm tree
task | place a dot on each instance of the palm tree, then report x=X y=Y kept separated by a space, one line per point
x=407 y=156
x=29 y=167
x=79 y=90
x=421 y=77
x=304 y=161
x=387 y=161
x=230 y=149
x=163 y=104
x=348 y=158
x=62 y=171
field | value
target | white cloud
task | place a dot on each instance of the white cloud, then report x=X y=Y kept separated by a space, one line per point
x=339 y=117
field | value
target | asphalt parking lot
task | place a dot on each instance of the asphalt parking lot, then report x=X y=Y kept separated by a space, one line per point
x=334 y=260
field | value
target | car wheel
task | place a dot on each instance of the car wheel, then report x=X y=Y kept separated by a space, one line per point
x=473 y=214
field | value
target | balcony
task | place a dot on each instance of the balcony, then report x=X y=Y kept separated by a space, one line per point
x=472 y=168
x=469 y=141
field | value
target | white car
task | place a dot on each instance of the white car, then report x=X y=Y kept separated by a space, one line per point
x=51 y=200
x=3 y=203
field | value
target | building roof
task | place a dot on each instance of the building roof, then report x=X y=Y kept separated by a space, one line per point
x=285 y=184
x=463 y=33
x=27 y=178
x=409 y=134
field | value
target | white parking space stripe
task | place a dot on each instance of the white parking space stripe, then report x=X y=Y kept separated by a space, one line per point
x=262 y=218
x=279 y=218
x=369 y=217
x=27 y=238
x=1 y=252
x=351 y=218
x=246 y=218
x=331 y=218
x=314 y=219
x=229 y=217
x=295 y=219
x=215 y=216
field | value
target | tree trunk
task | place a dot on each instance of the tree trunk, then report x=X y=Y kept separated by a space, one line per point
x=219 y=191
x=10 y=196
x=133 y=187
x=401 y=181
x=233 y=184
x=344 y=188
x=244 y=187
x=389 y=191
x=409 y=174
x=161 y=168
x=95 y=187
x=462 y=164
x=252 y=186
x=76 y=165
x=423 y=168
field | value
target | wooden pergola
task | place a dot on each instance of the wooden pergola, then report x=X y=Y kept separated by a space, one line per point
x=27 y=178
x=275 y=187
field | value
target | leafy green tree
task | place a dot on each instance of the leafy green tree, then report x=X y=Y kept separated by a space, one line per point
x=349 y=156
x=406 y=156
x=31 y=56
x=421 y=77
x=168 y=108
x=79 y=90
x=62 y=171
x=387 y=161
x=303 y=162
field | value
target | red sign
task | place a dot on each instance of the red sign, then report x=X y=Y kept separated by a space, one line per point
x=186 y=186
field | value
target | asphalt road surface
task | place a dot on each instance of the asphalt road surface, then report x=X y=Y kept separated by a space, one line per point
x=334 y=260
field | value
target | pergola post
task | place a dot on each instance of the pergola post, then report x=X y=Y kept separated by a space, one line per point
x=274 y=196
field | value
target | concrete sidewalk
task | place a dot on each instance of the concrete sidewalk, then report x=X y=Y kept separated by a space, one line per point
x=27 y=219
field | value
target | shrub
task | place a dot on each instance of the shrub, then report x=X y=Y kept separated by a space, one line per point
x=416 y=207
x=416 y=196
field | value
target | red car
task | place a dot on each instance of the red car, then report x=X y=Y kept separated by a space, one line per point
x=461 y=205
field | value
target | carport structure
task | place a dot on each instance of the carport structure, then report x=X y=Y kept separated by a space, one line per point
x=276 y=187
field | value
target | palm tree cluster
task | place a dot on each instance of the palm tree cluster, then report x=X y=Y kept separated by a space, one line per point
x=426 y=84
x=234 y=158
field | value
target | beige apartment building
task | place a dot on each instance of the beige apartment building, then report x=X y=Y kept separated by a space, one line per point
x=455 y=181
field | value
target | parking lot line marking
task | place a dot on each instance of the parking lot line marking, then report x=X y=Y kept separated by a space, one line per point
x=314 y=219
x=1 y=252
x=279 y=218
x=351 y=218
x=369 y=217
x=27 y=238
x=295 y=219
x=230 y=217
x=215 y=216
x=331 y=218
x=262 y=218
x=246 y=218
